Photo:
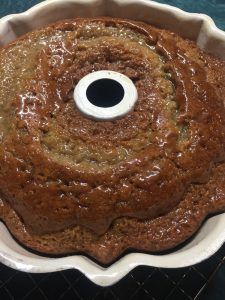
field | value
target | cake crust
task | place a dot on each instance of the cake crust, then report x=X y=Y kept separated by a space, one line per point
x=146 y=181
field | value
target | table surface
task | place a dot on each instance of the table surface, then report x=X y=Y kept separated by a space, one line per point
x=204 y=281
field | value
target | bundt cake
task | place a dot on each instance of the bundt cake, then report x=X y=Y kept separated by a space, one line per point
x=146 y=181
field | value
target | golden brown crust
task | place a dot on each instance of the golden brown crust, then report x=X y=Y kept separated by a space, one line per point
x=92 y=185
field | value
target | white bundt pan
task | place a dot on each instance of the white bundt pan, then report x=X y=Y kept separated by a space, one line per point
x=197 y=27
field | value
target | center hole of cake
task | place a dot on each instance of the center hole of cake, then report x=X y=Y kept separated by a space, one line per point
x=105 y=92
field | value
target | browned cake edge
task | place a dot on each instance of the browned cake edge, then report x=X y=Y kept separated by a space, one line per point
x=159 y=234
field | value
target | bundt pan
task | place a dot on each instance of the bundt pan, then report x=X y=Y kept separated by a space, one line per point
x=211 y=234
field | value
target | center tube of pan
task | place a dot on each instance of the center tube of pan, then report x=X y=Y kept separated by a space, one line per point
x=105 y=95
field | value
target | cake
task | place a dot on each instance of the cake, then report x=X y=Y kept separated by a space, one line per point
x=147 y=181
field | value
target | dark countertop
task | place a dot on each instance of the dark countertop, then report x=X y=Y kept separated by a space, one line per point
x=204 y=281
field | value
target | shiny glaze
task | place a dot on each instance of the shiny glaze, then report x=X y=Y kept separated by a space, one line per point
x=65 y=170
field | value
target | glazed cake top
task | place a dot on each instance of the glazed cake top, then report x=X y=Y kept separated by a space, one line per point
x=59 y=168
